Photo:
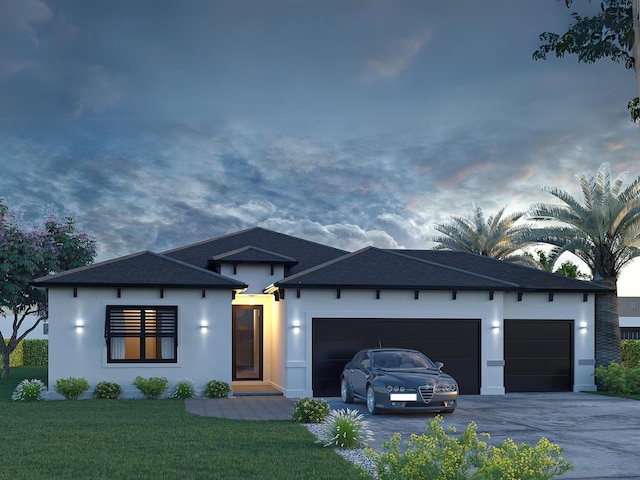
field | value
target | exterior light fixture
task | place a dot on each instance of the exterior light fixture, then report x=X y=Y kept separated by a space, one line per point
x=495 y=326
x=204 y=325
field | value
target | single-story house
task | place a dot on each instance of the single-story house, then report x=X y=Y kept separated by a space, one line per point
x=262 y=308
x=629 y=312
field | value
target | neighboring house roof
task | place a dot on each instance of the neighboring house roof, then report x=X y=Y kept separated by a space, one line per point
x=307 y=253
x=143 y=269
x=403 y=269
x=253 y=255
x=527 y=278
x=629 y=306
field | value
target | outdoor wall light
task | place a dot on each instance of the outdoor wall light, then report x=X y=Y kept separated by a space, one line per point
x=204 y=325
x=496 y=326
x=583 y=327
x=79 y=325
x=295 y=325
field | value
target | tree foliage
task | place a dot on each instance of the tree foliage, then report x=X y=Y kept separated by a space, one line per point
x=28 y=252
x=497 y=236
x=547 y=261
x=603 y=230
x=607 y=34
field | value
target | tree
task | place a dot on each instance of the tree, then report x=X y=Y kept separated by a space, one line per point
x=547 y=260
x=612 y=33
x=604 y=232
x=495 y=237
x=27 y=253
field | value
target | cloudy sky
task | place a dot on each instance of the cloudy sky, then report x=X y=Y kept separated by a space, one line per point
x=347 y=122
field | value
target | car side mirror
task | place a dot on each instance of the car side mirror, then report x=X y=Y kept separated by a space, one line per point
x=439 y=366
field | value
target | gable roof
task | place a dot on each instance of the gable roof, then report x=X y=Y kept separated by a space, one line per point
x=400 y=269
x=527 y=278
x=308 y=254
x=143 y=269
x=253 y=254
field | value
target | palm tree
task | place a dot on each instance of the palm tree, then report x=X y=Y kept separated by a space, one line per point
x=496 y=237
x=604 y=231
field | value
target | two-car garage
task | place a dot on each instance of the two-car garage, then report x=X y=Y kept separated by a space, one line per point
x=538 y=354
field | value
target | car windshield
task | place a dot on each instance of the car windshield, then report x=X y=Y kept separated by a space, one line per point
x=401 y=360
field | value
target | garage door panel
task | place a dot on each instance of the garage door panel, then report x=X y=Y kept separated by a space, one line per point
x=452 y=342
x=538 y=355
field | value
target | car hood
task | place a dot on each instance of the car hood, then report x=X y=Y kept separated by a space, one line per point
x=411 y=377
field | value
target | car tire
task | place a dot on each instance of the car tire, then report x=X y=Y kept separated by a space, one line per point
x=345 y=392
x=371 y=401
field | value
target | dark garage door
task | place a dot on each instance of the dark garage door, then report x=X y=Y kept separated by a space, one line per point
x=456 y=343
x=538 y=355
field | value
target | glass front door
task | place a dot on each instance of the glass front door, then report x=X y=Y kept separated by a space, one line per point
x=247 y=342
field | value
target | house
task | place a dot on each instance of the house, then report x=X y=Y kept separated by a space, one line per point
x=262 y=308
x=629 y=312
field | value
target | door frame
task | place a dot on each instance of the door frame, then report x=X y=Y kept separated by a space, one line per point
x=260 y=340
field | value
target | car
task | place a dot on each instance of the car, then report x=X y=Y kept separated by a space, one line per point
x=398 y=379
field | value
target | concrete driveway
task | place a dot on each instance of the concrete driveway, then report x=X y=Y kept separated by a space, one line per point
x=600 y=435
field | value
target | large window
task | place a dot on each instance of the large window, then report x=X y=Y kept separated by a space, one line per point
x=141 y=334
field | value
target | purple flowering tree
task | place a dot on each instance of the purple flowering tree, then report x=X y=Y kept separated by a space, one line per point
x=28 y=252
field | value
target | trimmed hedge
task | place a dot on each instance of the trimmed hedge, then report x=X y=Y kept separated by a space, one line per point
x=35 y=352
x=15 y=357
x=631 y=353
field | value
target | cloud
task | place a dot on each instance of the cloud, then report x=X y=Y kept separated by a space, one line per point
x=21 y=16
x=397 y=57
x=100 y=90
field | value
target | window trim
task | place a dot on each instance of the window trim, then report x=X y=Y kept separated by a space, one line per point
x=168 y=329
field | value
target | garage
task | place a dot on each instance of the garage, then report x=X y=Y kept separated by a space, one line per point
x=454 y=342
x=538 y=355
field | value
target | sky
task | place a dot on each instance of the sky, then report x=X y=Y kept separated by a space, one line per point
x=347 y=122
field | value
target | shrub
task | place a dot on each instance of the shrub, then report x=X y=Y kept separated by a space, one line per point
x=345 y=429
x=71 y=388
x=35 y=352
x=310 y=410
x=109 y=390
x=29 y=390
x=216 y=389
x=15 y=357
x=184 y=389
x=152 y=387
x=619 y=378
x=438 y=456
x=631 y=353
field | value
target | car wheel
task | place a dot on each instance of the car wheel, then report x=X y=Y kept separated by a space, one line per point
x=371 y=401
x=345 y=392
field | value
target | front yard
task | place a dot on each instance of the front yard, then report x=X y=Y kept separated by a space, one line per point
x=100 y=439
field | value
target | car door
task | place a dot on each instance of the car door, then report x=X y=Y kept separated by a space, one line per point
x=360 y=373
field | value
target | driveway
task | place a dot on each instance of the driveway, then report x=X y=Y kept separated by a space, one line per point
x=600 y=435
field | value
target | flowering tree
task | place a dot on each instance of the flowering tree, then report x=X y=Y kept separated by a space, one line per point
x=26 y=253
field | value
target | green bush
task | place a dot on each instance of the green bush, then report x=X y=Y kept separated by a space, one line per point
x=438 y=456
x=345 y=429
x=184 y=389
x=310 y=410
x=15 y=357
x=71 y=388
x=216 y=389
x=631 y=353
x=152 y=387
x=35 y=352
x=29 y=390
x=619 y=378
x=110 y=390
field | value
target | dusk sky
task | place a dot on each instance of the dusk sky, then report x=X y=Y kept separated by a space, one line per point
x=350 y=123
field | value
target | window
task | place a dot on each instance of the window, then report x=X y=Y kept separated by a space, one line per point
x=141 y=334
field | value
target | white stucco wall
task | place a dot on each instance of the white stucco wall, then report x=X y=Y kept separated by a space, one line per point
x=77 y=346
x=472 y=305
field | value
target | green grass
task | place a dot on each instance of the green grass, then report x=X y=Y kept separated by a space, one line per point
x=105 y=439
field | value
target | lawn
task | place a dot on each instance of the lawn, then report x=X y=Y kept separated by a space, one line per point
x=105 y=439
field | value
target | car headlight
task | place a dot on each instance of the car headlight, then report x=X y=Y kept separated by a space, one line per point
x=445 y=387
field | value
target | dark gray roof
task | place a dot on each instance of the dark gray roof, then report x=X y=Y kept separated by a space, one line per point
x=376 y=268
x=436 y=270
x=143 y=269
x=308 y=254
x=527 y=278
x=253 y=255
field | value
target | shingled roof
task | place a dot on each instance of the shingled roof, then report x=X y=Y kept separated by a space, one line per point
x=308 y=254
x=403 y=269
x=143 y=269
x=254 y=255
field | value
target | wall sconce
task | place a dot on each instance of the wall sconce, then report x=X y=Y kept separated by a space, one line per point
x=583 y=327
x=295 y=326
x=495 y=326
x=204 y=326
x=79 y=325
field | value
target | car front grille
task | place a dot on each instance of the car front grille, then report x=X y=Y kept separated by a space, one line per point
x=426 y=393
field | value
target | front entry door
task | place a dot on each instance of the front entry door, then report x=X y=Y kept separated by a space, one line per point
x=247 y=342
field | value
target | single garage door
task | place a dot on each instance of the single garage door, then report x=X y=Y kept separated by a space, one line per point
x=538 y=355
x=454 y=342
